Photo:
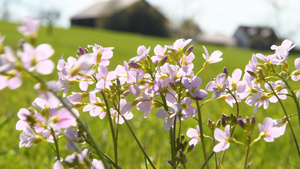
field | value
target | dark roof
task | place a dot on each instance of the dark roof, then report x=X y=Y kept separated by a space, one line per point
x=104 y=8
x=254 y=31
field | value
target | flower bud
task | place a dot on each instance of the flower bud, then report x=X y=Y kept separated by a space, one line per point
x=225 y=71
x=241 y=122
x=253 y=74
x=80 y=51
x=224 y=122
x=253 y=121
x=218 y=123
x=190 y=148
x=189 y=50
x=133 y=64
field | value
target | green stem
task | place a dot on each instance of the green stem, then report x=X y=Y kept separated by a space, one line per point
x=139 y=144
x=98 y=150
x=287 y=117
x=294 y=98
x=56 y=144
x=207 y=160
x=214 y=143
x=111 y=127
x=247 y=151
x=237 y=110
x=201 y=131
x=172 y=141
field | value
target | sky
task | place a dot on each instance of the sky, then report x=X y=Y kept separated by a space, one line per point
x=212 y=16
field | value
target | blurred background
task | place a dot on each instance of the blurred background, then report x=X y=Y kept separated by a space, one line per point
x=253 y=24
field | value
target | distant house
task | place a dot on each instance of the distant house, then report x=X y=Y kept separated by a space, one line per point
x=123 y=15
x=260 y=38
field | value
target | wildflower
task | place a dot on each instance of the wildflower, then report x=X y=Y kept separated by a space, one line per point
x=57 y=165
x=169 y=117
x=104 y=78
x=159 y=52
x=223 y=137
x=282 y=51
x=279 y=89
x=96 y=107
x=97 y=164
x=218 y=85
x=72 y=136
x=192 y=87
x=142 y=52
x=194 y=134
x=30 y=27
x=101 y=55
x=37 y=59
x=258 y=99
x=213 y=58
x=187 y=109
x=145 y=104
x=267 y=131
x=28 y=137
x=296 y=73
x=234 y=82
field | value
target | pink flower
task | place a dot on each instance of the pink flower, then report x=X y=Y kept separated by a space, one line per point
x=104 y=78
x=101 y=55
x=267 y=131
x=187 y=110
x=169 y=117
x=37 y=59
x=179 y=44
x=296 y=73
x=217 y=85
x=97 y=164
x=192 y=87
x=73 y=137
x=95 y=107
x=27 y=137
x=213 y=58
x=279 y=89
x=223 y=137
x=159 y=52
x=142 y=52
x=145 y=105
x=194 y=134
x=57 y=165
x=30 y=27
x=282 y=51
x=258 y=99
x=234 y=82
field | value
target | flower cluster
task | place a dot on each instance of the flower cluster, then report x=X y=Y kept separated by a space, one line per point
x=163 y=84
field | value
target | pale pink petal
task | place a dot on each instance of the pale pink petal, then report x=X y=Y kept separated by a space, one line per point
x=44 y=51
x=45 y=67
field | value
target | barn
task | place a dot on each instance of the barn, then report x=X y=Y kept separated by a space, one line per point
x=260 y=38
x=136 y=16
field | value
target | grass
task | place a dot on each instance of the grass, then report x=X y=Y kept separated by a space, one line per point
x=278 y=154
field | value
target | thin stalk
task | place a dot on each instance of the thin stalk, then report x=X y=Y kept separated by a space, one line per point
x=237 y=110
x=201 y=131
x=56 y=143
x=207 y=160
x=247 y=151
x=139 y=144
x=287 y=117
x=111 y=127
x=294 y=98
x=98 y=150
x=172 y=141
x=214 y=143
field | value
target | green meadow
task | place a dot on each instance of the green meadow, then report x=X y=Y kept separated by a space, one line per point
x=279 y=154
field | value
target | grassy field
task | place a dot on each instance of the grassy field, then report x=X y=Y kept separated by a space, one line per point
x=278 y=154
